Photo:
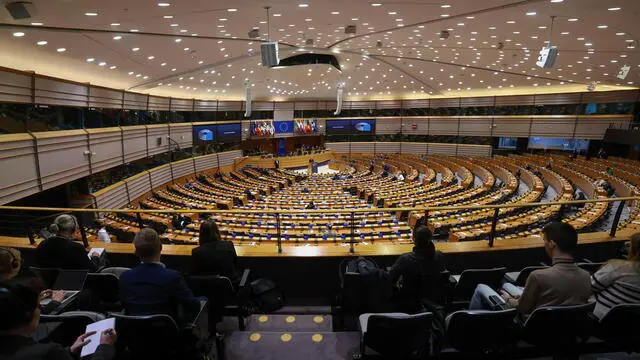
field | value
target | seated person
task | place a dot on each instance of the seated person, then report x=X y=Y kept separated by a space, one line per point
x=214 y=256
x=20 y=316
x=618 y=281
x=424 y=264
x=150 y=288
x=562 y=284
x=10 y=265
x=310 y=206
x=61 y=252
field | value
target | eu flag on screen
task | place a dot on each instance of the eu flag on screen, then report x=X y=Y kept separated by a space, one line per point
x=283 y=127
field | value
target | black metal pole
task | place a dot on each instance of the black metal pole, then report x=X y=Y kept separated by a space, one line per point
x=139 y=217
x=278 y=234
x=494 y=222
x=83 y=233
x=616 y=219
x=32 y=239
x=351 y=249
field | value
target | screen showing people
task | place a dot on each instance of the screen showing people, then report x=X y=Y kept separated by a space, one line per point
x=262 y=128
x=305 y=126
x=558 y=144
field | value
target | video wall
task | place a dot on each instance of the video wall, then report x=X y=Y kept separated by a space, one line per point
x=205 y=134
x=558 y=144
x=351 y=126
x=262 y=128
x=305 y=126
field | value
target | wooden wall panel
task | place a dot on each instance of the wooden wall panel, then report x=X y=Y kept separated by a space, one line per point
x=63 y=156
x=138 y=185
x=106 y=148
x=389 y=104
x=595 y=127
x=134 y=142
x=444 y=103
x=421 y=126
x=515 y=100
x=387 y=126
x=262 y=105
x=552 y=126
x=182 y=134
x=556 y=99
x=54 y=92
x=417 y=104
x=157 y=142
x=229 y=105
x=182 y=168
x=105 y=98
x=160 y=175
x=386 y=147
x=181 y=105
x=611 y=96
x=206 y=162
x=114 y=198
x=414 y=148
x=442 y=149
x=228 y=157
x=283 y=106
x=338 y=148
x=475 y=126
x=158 y=103
x=15 y=87
x=443 y=126
x=19 y=177
x=478 y=101
x=201 y=105
x=135 y=101
x=362 y=147
x=305 y=105
x=474 y=150
x=511 y=127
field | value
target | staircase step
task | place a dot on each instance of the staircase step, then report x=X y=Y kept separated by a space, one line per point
x=289 y=323
x=291 y=345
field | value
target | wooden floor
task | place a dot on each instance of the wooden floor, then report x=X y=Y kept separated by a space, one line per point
x=331 y=250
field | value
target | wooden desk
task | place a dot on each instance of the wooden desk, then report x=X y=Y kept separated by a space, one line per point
x=287 y=161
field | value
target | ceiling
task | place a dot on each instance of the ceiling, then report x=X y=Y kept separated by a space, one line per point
x=200 y=49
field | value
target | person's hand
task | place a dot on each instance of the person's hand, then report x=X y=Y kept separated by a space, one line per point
x=46 y=293
x=57 y=295
x=505 y=295
x=81 y=341
x=94 y=254
x=108 y=337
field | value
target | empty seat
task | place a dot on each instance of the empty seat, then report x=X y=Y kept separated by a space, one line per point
x=478 y=332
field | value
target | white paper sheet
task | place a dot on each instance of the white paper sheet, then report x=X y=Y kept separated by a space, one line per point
x=98 y=327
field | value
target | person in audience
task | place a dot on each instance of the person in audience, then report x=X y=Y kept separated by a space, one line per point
x=418 y=271
x=310 y=206
x=562 y=284
x=61 y=252
x=150 y=288
x=10 y=263
x=602 y=154
x=618 y=281
x=400 y=176
x=20 y=317
x=214 y=256
x=574 y=154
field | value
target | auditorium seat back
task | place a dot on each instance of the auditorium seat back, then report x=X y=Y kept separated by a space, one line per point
x=469 y=280
x=47 y=275
x=65 y=328
x=620 y=327
x=148 y=337
x=480 y=331
x=398 y=337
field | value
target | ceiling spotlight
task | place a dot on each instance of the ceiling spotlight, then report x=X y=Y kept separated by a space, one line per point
x=164 y=4
x=61 y=50
x=18 y=34
x=444 y=34
x=232 y=10
x=42 y=43
x=117 y=37
x=91 y=14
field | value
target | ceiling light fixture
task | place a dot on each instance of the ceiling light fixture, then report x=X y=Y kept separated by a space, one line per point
x=91 y=14
x=164 y=4
x=232 y=10
x=18 y=34
x=117 y=37
x=303 y=5
x=91 y=60
x=41 y=43
x=532 y=13
x=61 y=50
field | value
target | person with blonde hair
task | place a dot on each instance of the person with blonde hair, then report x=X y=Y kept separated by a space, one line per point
x=618 y=281
x=10 y=263
x=61 y=251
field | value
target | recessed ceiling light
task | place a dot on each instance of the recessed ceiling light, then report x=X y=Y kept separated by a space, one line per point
x=445 y=6
x=18 y=34
x=444 y=15
x=588 y=44
x=134 y=30
x=178 y=40
x=117 y=37
x=572 y=19
x=151 y=57
x=276 y=15
x=91 y=60
x=614 y=8
x=102 y=63
x=164 y=4
x=36 y=23
x=602 y=26
x=112 y=67
x=168 y=17
x=115 y=24
x=335 y=13
x=232 y=10
x=135 y=49
x=376 y=4
x=91 y=14
x=174 y=25
x=41 y=43
x=303 y=5
x=61 y=50
x=557 y=1
x=532 y=13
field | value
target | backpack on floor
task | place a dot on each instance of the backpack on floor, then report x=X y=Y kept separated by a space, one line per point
x=264 y=296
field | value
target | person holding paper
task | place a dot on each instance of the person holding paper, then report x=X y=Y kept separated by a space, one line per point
x=20 y=316
x=562 y=284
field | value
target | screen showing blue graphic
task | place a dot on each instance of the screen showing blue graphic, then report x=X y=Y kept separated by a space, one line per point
x=229 y=132
x=591 y=109
x=204 y=133
x=558 y=144
x=350 y=126
x=283 y=127
x=508 y=143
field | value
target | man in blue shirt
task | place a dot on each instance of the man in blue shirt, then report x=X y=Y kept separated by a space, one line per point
x=150 y=288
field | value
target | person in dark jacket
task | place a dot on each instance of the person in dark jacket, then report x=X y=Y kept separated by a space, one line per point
x=214 y=256
x=150 y=288
x=20 y=316
x=60 y=251
x=417 y=274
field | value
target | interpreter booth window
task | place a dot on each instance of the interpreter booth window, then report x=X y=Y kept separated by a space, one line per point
x=52 y=118
x=13 y=118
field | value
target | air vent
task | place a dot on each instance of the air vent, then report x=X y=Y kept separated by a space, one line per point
x=350 y=29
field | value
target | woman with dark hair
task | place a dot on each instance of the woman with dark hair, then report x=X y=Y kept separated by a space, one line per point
x=618 y=281
x=20 y=316
x=214 y=256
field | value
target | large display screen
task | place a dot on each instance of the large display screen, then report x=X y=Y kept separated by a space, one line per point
x=229 y=132
x=305 y=126
x=558 y=144
x=508 y=143
x=351 y=126
x=203 y=134
x=283 y=127
x=262 y=128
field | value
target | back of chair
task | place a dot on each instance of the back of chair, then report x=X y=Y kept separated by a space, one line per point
x=558 y=327
x=104 y=286
x=116 y=270
x=217 y=289
x=399 y=337
x=66 y=327
x=48 y=275
x=478 y=332
x=469 y=280
x=524 y=274
x=590 y=267
x=620 y=327
x=149 y=337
